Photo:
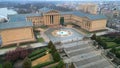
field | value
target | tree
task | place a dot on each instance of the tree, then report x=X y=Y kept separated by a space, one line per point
x=7 y=64
x=60 y=64
x=93 y=37
x=18 y=53
x=56 y=57
x=113 y=50
x=27 y=63
x=50 y=44
x=117 y=40
x=103 y=44
x=62 y=21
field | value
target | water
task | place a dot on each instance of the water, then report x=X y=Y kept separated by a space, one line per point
x=61 y=33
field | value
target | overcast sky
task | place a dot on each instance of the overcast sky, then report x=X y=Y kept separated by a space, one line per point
x=59 y=0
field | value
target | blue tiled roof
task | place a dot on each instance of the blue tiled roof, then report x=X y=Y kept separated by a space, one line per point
x=17 y=21
x=89 y=16
x=15 y=25
x=96 y=17
x=21 y=17
x=78 y=13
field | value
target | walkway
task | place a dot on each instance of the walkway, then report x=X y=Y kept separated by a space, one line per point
x=35 y=45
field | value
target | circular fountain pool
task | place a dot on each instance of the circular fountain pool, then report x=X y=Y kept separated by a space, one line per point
x=61 y=33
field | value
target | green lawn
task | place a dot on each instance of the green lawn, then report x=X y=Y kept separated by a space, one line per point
x=107 y=39
x=0 y=65
x=40 y=40
x=111 y=44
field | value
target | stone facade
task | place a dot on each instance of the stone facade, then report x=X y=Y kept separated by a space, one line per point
x=53 y=18
x=49 y=18
x=18 y=35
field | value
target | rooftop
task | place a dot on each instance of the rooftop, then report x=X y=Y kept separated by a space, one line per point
x=15 y=25
x=21 y=17
x=17 y=21
x=89 y=16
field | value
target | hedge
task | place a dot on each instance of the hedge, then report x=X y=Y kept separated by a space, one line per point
x=37 y=56
x=36 y=52
x=43 y=64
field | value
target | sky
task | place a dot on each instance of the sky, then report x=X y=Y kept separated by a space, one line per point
x=59 y=0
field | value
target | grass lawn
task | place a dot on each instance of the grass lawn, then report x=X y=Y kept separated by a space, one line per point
x=0 y=65
x=44 y=27
x=46 y=58
x=40 y=40
x=111 y=44
x=107 y=39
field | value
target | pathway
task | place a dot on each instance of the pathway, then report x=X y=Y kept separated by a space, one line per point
x=34 y=45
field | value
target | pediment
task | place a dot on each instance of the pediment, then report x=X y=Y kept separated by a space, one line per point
x=53 y=11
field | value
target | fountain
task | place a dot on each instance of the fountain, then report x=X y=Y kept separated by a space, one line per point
x=61 y=33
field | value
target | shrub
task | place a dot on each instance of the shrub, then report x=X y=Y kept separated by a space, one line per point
x=7 y=64
x=27 y=63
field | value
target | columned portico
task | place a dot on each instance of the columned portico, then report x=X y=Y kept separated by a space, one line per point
x=51 y=18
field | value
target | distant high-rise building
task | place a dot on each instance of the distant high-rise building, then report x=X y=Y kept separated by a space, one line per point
x=88 y=8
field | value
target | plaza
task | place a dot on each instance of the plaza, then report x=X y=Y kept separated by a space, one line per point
x=72 y=36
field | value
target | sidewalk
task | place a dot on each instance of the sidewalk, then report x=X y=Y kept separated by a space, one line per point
x=35 y=45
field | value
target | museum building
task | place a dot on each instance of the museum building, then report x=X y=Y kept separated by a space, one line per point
x=19 y=28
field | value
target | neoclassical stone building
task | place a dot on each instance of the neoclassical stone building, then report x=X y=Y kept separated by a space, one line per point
x=19 y=28
x=89 y=22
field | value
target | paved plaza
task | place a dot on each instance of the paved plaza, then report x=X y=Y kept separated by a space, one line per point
x=74 y=36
